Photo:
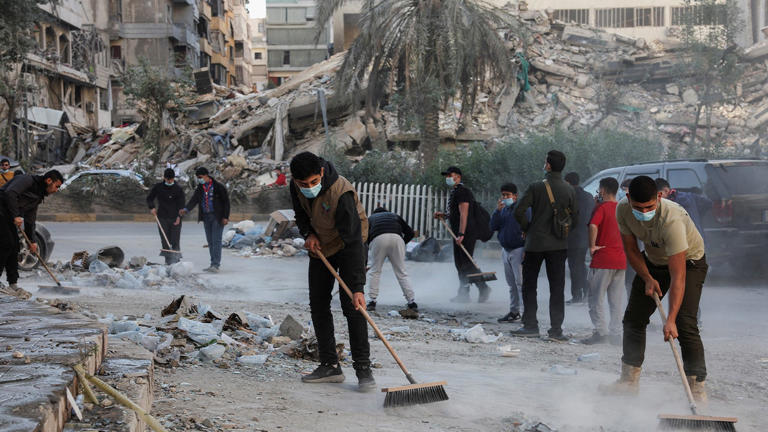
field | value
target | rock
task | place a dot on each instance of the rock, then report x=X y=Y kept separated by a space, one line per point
x=355 y=129
x=278 y=341
x=98 y=267
x=231 y=172
x=137 y=262
x=237 y=161
x=289 y=250
x=18 y=354
x=253 y=359
x=690 y=97
x=182 y=269
x=291 y=328
x=673 y=89
x=212 y=352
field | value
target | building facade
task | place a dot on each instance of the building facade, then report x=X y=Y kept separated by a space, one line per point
x=292 y=41
x=258 y=33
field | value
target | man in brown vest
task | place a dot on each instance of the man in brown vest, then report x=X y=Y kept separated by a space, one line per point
x=332 y=220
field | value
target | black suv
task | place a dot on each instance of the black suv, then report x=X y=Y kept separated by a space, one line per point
x=736 y=227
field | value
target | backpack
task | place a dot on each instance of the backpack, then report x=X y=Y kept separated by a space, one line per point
x=561 y=220
x=481 y=222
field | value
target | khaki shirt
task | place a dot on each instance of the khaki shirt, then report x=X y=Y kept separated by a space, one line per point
x=670 y=232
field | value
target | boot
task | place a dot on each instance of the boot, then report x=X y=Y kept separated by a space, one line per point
x=462 y=296
x=698 y=389
x=627 y=384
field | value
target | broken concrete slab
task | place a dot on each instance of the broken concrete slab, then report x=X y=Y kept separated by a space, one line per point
x=291 y=328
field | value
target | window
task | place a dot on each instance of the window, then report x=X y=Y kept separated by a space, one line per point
x=591 y=187
x=578 y=16
x=261 y=27
x=78 y=96
x=103 y=100
x=202 y=28
x=257 y=56
x=231 y=53
x=205 y=60
x=629 y=17
x=700 y=15
x=286 y=58
x=216 y=8
x=115 y=52
x=239 y=51
x=683 y=179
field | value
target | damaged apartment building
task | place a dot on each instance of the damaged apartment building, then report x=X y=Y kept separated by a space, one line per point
x=67 y=79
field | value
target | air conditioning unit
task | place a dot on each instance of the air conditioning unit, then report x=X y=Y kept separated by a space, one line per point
x=90 y=107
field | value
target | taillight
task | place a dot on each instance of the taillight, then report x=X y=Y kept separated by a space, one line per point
x=723 y=211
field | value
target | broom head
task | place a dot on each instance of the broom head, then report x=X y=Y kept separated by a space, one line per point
x=481 y=277
x=696 y=423
x=415 y=394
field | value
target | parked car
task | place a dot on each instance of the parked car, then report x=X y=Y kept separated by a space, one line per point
x=736 y=227
x=27 y=260
x=103 y=174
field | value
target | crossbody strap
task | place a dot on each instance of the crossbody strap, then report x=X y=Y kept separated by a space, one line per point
x=551 y=196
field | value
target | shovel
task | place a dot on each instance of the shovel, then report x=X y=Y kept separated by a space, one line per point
x=53 y=289
x=474 y=277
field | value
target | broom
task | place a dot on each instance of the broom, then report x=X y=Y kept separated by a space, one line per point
x=474 y=277
x=694 y=422
x=412 y=394
x=58 y=288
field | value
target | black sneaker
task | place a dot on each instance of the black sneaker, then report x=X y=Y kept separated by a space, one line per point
x=595 y=339
x=371 y=306
x=365 y=379
x=509 y=318
x=325 y=373
x=557 y=336
x=413 y=306
x=526 y=332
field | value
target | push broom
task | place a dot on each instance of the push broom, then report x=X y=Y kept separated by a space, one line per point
x=162 y=231
x=58 y=288
x=412 y=394
x=474 y=277
x=693 y=422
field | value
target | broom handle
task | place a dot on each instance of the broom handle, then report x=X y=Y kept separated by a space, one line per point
x=460 y=244
x=39 y=259
x=679 y=361
x=162 y=231
x=367 y=318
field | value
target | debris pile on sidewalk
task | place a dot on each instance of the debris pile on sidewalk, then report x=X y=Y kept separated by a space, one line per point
x=279 y=238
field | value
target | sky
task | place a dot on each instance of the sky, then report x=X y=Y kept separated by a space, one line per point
x=257 y=8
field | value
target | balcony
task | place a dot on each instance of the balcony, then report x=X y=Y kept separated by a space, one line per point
x=183 y=34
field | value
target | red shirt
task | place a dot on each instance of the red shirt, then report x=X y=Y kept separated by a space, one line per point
x=612 y=255
x=280 y=180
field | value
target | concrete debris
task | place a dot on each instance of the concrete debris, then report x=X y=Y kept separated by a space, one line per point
x=137 y=262
x=291 y=328
x=212 y=352
x=477 y=334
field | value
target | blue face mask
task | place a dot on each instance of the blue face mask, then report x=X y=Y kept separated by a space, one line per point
x=508 y=201
x=644 y=217
x=450 y=181
x=201 y=181
x=168 y=184
x=312 y=192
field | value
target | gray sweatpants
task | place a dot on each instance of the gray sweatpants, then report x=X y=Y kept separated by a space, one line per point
x=513 y=270
x=389 y=246
x=602 y=282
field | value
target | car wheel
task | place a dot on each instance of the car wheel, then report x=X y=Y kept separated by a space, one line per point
x=27 y=260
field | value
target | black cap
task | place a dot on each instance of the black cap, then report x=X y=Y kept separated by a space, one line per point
x=451 y=170
x=169 y=173
x=201 y=171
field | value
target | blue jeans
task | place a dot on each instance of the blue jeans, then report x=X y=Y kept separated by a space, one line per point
x=213 y=231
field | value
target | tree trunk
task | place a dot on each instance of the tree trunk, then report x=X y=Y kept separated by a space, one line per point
x=430 y=134
x=696 y=125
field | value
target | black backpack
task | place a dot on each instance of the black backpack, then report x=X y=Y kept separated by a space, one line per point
x=481 y=222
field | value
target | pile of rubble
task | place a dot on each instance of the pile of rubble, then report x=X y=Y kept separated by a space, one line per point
x=279 y=238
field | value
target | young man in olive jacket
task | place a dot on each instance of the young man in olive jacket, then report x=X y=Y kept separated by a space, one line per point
x=332 y=220
x=542 y=244
x=213 y=199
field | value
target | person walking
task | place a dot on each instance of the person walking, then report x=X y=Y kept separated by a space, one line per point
x=19 y=200
x=578 y=241
x=333 y=222
x=6 y=174
x=674 y=265
x=696 y=204
x=388 y=233
x=544 y=244
x=512 y=243
x=606 y=272
x=170 y=199
x=460 y=201
x=213 y=199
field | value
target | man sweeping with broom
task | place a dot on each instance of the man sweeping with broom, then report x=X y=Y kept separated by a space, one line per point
x=333 y=222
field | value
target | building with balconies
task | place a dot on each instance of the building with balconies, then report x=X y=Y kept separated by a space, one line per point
x=258 y=33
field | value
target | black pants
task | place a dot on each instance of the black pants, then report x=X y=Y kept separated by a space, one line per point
x=556 y=275
x=174 y=236
x=321 y=283
x=464 y=265
x=578 y=267
x=9 y=249
x=641 y=307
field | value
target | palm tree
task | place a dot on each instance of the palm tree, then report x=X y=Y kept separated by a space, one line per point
x=423 y=53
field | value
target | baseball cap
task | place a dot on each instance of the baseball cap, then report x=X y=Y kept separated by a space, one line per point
x=451 y=170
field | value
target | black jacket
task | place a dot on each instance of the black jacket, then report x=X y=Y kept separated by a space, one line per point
x=386 y=222
x=170 y=200
x=579 y=235
x=347 y=222
x=540 y=234
x=20 y=198
x=220 y=201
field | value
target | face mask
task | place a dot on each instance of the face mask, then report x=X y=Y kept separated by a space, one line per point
x=200 y=181
x=168 y=184
x=508 y=201
x=644 y=217
x=450 y=181
x=312 y=192
x=4 y=171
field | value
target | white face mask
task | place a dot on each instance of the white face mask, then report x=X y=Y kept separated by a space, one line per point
x=450 y=181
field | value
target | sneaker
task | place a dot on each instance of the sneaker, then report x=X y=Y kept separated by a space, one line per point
x=595 y=339
x=413 y=306
x=325 y=373
x=371 y=306
x=557 y=336
x=212 y=269
x=365 y=379
x=509 y=318
x=526 y=332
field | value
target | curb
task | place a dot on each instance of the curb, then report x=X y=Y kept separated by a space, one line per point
x=131 y=217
